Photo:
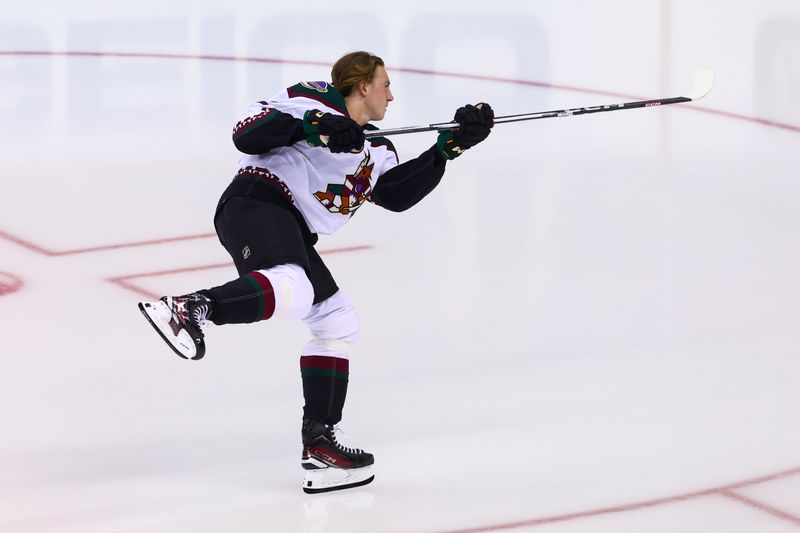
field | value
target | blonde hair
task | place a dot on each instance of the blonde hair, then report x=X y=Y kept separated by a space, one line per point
x=353 y=68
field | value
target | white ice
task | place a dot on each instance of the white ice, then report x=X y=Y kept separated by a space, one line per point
x=592 y=325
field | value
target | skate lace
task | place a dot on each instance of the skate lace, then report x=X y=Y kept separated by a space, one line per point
x=336 y=430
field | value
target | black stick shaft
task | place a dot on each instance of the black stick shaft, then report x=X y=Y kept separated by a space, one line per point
x=535 y=116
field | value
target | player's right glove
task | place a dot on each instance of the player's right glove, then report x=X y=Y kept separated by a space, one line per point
x=475 y=125
x=337 y=132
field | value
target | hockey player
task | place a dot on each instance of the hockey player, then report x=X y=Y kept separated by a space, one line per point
x=307 y=168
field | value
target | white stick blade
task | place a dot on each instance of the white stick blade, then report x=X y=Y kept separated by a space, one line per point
x=703 y=82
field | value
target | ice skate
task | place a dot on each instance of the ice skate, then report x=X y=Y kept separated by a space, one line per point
x=330 y=466
x=179 y=321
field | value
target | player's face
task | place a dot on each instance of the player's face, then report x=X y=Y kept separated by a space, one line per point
x=378 y=95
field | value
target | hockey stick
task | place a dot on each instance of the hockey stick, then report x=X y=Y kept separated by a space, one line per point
x=703 y=81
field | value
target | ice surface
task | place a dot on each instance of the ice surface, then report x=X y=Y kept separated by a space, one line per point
x=589 y=326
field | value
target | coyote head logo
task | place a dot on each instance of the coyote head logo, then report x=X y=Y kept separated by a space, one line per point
x=344 y=199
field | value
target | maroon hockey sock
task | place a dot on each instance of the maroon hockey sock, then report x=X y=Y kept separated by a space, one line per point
x=248 y=299
x=324 y=387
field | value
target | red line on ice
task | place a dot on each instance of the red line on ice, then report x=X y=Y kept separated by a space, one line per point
x=530 y=83
x=126 y=283
x=100 y=248
x=762 y=507
x=723 y=491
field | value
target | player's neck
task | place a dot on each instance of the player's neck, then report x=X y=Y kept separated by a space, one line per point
x=356 y=109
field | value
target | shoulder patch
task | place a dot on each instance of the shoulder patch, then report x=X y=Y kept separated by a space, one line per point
x=322 y=92
x=319 y=86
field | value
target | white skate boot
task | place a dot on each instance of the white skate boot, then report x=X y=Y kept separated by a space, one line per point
x=179 y=321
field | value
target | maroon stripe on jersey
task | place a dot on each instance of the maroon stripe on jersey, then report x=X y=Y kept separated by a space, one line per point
x=321 y=99
x=381 y=141
x=323 y=362
x=266 y=296
x=266 y=175
x=251 y=122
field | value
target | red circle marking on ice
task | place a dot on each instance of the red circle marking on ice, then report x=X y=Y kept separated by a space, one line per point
x=9 y=283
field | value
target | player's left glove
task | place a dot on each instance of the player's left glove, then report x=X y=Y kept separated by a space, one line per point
x=475 y=122
x=338 y=133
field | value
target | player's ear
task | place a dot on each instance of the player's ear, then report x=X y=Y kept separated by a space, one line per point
x=362 y=88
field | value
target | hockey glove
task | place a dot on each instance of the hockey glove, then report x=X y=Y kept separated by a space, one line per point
x=338 y=133
x=475 y=125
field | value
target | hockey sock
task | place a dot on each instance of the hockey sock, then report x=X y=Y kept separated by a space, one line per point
x=248 y=299
x=282 y=291
x=324 y=387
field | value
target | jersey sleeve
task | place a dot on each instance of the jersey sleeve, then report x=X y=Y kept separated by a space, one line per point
x=405 y=184
x=262 y=127
x=391 y=159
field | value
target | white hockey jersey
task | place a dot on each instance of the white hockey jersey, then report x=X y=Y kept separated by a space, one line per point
x=326 y=188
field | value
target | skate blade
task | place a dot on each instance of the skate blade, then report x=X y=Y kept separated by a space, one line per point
x=151 y=313
x=330 y=479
